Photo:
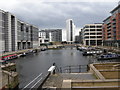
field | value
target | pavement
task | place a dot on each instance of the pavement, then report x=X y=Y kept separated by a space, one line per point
x=57 y=79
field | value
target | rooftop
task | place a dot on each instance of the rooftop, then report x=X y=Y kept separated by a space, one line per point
x=115 y=8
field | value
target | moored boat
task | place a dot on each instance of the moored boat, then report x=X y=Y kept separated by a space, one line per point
x=87 y=53
x=9 y=57
x=23 y=54
x=43 y=49
x=108 y=56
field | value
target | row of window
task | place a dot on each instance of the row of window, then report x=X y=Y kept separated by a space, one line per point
x=93 y=26
x=93 y=37
x=92 y=30
x=93 y=34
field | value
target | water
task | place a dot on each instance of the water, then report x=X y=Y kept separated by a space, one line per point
x=31 y=66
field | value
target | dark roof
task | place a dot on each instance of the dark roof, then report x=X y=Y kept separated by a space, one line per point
x=115 y=8
x=106 y=18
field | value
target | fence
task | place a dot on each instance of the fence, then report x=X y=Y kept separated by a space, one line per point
x=74 y=69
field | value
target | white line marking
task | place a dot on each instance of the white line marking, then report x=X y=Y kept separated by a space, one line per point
x=36 y=83
x=32 y=81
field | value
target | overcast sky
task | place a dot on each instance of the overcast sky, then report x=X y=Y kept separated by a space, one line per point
x=53 y=14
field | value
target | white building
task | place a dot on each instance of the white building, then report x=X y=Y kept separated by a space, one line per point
x=70 y=31
x=42 y=37
x=92 y=34
x=50 y=35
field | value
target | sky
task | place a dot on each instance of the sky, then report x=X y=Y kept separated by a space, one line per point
x=54 y=13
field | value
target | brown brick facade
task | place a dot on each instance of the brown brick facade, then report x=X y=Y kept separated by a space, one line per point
x=111 y=28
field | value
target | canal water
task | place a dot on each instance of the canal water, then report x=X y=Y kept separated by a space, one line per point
x=32 y=65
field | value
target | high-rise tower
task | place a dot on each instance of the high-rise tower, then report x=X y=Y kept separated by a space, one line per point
x=70 y=27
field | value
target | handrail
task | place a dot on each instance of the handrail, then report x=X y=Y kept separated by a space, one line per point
x=32 y=83
x=74 y=69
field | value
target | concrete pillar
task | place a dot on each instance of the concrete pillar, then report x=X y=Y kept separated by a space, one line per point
x=25 y=45
x=66 y=85
x=21 y=45
x=117 y=45
x=89 y=42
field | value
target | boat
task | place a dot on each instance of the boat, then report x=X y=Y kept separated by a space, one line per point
x=88 y=53
x=43 y=49
x=108 y=56
x=23 y=54
x=82 y=48
x=9 y=57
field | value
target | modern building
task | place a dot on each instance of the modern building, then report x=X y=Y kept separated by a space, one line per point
x=56 y=35
x=111 y=28
x=77 y=39
x=42 y=37
x=92 y=34
x=70 y=28
x=50 y=35
x=2 y=33
x=16 y=34
x=80 y=37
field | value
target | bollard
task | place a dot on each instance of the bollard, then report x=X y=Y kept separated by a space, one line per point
x=54 y=69
x=60 y=70
x=88 y=68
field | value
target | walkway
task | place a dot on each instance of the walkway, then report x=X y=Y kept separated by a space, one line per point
x=57 y=79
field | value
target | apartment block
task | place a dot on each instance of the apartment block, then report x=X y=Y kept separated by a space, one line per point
x=42 y=37
x=16 y=34
x=77 y=39
x=2 y=33
x=80 y=37
x=111 y=29
x=92 y=34
x=50 y=35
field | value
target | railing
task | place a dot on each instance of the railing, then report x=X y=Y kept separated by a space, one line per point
x=74 y=69
x=37 y=82
x=33 y=83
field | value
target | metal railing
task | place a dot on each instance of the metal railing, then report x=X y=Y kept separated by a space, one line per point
x=33 y=83
x=74 y=69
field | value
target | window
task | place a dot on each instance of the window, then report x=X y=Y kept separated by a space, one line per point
x=99 y=36
x=86 y=37
x=99 y=26
x=92 y=33
x=86 y=26
x=92 y=36
x=99 y=33
x=92 y=29
x=92 y=26
x=99 y=29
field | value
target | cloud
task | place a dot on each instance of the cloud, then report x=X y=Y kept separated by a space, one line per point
x=53 y=14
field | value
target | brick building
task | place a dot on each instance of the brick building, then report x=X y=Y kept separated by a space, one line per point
x=111 y=29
